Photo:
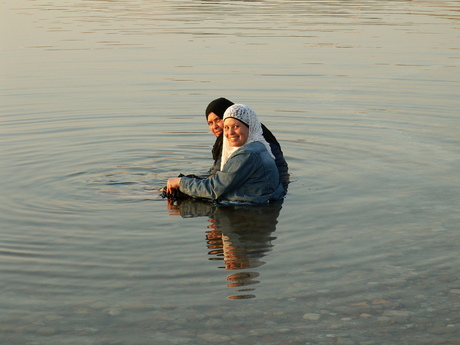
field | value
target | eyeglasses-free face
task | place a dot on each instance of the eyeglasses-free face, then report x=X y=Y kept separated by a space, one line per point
x=236 y=132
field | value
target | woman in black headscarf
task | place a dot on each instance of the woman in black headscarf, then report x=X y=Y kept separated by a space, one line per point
x=214 y=115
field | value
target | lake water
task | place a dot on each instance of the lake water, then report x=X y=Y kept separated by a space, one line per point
x=102 y=101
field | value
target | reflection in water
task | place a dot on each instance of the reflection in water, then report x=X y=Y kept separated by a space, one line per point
x=238 y=237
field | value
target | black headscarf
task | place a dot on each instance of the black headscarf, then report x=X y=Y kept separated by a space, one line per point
x=218 y=107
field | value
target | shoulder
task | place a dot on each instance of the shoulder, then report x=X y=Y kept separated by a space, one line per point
x=247 y=154
x=254 y=147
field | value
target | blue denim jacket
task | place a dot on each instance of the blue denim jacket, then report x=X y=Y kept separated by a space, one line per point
x=250 y=175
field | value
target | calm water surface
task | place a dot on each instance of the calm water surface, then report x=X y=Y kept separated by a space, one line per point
x=102 y=101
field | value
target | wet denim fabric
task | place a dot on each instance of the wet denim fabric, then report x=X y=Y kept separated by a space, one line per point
x=250 y=175
x=280 y=162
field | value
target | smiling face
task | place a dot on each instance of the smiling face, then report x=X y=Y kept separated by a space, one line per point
x=236 y=132
x=215 y=124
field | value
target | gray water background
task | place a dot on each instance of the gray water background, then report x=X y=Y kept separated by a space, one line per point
x=102 y=101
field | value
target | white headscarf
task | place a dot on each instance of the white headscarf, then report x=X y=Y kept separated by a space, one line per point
x=246 y=115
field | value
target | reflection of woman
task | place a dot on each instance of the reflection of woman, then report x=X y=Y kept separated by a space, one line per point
x=245 y=238
x=239 y=237
x=248 y=172
x=214 y=115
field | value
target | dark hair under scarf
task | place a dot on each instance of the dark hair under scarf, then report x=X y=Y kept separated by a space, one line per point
x=218 y=107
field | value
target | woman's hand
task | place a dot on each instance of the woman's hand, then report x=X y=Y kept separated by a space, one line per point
x=173 y=183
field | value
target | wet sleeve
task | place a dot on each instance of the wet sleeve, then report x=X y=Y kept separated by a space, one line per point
x=237 y=171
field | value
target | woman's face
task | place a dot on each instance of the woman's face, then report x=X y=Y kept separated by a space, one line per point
x=236 y=132
x=215 y=124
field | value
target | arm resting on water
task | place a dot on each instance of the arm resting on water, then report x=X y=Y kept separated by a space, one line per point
x=237 y=170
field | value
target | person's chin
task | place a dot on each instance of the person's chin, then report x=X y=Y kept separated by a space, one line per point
x=235 y=144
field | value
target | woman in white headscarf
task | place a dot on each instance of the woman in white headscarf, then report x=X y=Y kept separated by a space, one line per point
x=214 y=117
x=248 y=170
